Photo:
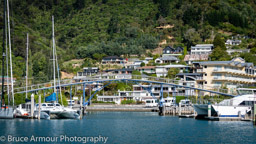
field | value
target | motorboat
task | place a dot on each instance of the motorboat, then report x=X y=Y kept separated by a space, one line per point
x=237 y=106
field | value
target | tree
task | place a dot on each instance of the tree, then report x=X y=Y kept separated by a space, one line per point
x=253 y=50
x=164 y=7
x=219 y=42
x=113 y=25
x=219 y=54
x=172 y=72
x=249 y=57
x=191 y=37
x=79 y=4
x=135 y=72
x=142 y=64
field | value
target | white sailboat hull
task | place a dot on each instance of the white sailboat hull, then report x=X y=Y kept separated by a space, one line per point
x=6 y=113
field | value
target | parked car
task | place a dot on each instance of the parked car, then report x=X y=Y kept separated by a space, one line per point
x=151 y=103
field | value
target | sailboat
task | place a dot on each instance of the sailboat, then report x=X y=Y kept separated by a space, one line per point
x=56 y=110
x=6 y=112
x=25 y=110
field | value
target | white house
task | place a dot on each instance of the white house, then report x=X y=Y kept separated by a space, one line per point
x=233 y=42
x=147 y=69
x=202 y=49
x=167 y=59
x=163 y=70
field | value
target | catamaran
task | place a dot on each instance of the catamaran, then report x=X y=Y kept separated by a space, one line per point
x=56 y=110
x=237 y=106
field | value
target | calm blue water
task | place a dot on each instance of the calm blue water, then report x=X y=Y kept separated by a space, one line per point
x=132 y=127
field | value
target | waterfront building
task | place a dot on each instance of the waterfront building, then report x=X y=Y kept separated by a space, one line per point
x=147 y=69
x=231 y=51
x=161 y=71
x=233 y=42
x=170 y=51
x=167 y=60
x=88 y=71
x=229 y=74
x=113 y=60
x=188 y=79
x=140 y=93
x=119 y=71
x=202 y=49
x=133 y=66
x=189 y=59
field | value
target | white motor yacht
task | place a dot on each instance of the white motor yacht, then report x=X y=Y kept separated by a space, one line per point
x=235 y=107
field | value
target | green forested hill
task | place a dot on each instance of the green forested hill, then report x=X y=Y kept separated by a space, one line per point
x=116 y=27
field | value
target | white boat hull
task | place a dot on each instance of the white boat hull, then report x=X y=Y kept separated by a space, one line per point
x=231 y=111
x=6 y=113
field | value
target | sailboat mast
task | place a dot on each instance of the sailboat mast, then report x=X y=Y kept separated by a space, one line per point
x=27 y=67
x=53 y=54
x=2 y=99
x=7 y=67
x=10 y=50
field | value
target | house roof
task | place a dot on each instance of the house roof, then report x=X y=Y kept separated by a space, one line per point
x=147 y=67
x=112 y=58
x=238 y=58
x=168 y=47
x=204 y=45
x=232 y=62
x=195 y=57
x=90 y=68
x=172 y=58
x=179 y=47
x=126 y=69
x=172 y=66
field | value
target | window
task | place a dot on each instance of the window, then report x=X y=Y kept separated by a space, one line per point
x=205 y=74
x=205 y=66
x=205 y=82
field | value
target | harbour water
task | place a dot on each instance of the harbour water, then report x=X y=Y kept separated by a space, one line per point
x=127 y=127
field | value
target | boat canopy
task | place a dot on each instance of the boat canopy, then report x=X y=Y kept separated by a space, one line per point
x=51 y=97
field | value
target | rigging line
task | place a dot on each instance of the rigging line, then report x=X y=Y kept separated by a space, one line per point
x=58 y=72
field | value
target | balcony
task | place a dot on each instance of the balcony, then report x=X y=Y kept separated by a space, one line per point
x=199 y=70
x=232 y=71
x=234 y=79
x=200 y=79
